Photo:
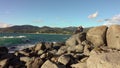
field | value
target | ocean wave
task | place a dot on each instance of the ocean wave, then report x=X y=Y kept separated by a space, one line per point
x=13 y=37
x=19 y=47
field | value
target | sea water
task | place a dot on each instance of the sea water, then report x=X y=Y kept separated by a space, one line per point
x=12 y=39
x=18 y=41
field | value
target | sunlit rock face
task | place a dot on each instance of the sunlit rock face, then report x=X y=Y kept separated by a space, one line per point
x=113 y=36
x=97 y=35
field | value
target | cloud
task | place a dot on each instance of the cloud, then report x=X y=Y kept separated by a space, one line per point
x=94 y=15
x=114 y=20
x=103 y=20
x=4 y=25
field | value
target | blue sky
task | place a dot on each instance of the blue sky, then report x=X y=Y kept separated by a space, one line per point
x=59 y=13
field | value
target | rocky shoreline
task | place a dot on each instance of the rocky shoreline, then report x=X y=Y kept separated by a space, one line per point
x=97 y=48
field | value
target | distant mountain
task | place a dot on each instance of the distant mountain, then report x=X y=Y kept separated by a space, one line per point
x=36 y=29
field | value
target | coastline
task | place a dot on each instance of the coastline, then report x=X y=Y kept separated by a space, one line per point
x=49 y=33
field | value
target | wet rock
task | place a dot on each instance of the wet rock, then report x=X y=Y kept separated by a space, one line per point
x=113 y=36
x=97 y=35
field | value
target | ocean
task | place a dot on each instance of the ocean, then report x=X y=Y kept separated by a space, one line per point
x=23 y=40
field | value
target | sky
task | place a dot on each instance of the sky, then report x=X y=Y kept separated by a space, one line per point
x=59 y=13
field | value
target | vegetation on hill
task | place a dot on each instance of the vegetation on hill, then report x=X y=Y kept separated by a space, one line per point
x=35 y=29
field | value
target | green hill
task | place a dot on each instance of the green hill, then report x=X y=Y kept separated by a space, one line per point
x=36 y=29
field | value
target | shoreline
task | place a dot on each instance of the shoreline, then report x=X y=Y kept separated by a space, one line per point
x=43 y=33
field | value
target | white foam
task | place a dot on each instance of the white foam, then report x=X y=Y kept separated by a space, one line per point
x=19 y=47
x=13 y=37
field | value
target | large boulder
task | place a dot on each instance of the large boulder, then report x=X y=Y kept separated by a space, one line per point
x=39 y=46
x=37 y=63
x=49 y=64
x=64 y=59
x=97 y=35
x=62 y=50
x=104 y=60
x=76 y=39
x=113 y=36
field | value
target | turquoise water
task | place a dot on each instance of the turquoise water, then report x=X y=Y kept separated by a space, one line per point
x=8 y=39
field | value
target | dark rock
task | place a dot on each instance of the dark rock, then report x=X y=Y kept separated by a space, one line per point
x=3 y=50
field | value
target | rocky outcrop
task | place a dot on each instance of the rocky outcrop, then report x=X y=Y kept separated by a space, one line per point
x=76 y=52
x=76 y=39
x=113 y=36
x=97 y=35
x=104 y=60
